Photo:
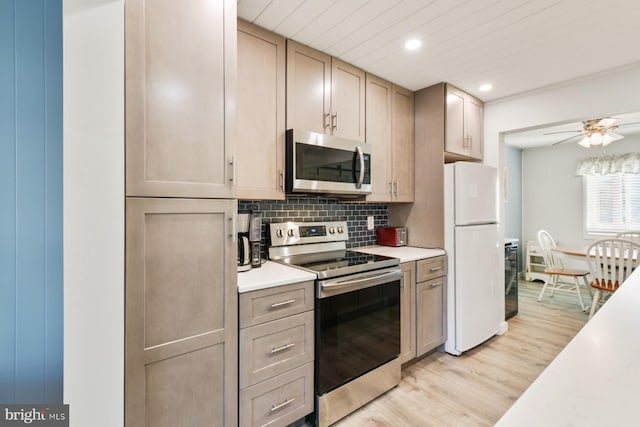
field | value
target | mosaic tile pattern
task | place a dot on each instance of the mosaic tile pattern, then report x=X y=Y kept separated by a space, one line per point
x=321 y=209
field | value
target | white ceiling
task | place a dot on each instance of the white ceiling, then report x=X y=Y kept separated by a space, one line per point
x=517 y=45
x=538 y=137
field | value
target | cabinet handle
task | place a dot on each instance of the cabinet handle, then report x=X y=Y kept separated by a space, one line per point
x=435 y=285
x=470 y=142
x=284 y=347
x=334 y=121
x=280 y=304
x=391 y=188
x=233 y=227
x=325 y=121
x=282 y=180
x=432 y=269
x=396 y=188
x=275 y=407
x=232 y=163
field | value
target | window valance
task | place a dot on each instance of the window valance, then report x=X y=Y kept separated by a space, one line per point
x=608 y=165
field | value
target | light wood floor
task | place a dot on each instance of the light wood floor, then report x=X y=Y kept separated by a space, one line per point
x=477 y=388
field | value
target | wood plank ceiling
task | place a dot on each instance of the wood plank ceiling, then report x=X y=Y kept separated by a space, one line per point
x=517 y=45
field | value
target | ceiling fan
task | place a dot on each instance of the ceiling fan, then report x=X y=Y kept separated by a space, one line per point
x=595 y=132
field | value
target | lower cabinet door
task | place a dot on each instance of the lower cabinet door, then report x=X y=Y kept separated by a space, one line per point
x=431 y=314
x=181 y=322
x=278 y=401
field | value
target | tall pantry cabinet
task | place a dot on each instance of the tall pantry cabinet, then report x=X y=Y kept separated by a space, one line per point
x=180 y=286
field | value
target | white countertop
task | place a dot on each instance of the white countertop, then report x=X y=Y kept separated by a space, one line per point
x=405 y=253
x=271 y=274
x=595 y=380
x=508 y=240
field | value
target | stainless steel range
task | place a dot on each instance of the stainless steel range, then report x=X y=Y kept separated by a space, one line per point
x=357 y=315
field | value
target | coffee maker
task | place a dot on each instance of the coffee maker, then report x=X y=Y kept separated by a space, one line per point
x=244 y=248
x=249 y=236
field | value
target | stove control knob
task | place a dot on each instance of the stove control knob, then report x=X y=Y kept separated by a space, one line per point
x=290 y=233
x=279 y=232
x=332 y=230
x=340 y=229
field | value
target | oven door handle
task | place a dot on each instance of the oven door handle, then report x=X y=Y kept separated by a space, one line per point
x=333 y=287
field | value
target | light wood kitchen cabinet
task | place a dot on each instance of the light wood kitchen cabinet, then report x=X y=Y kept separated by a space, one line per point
x=408 y=312
x=324 y=94
x=402 y=144
x=463 y=125
x=390 y=130
x=276 y=355
x=260 y=113
x=424 y=218
x=378 y=133
x=180 y=98
x=431 y=294
x=181 y=322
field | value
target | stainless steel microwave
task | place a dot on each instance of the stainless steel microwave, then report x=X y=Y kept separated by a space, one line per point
x=318 y=163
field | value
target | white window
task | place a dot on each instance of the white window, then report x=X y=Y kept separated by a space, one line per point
x=611 y=203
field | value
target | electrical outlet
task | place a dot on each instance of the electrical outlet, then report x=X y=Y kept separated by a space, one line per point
x=370 y=222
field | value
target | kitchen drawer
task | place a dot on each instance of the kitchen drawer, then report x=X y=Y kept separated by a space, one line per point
x=431 y=268
x=274 y=347
x=274 y=303
x=278 y=401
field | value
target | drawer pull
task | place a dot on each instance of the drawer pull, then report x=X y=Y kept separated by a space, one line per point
x=435 y=285
x=275 y=407
x=280 y=304
x=432 y=269
x=284 y=347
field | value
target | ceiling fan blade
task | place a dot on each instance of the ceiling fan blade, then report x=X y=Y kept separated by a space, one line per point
x=567 y=139
x=614 y=136
x=564 y=131
x=606 y=122
x=627 y=124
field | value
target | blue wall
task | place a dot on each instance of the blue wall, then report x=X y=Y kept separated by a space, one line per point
x=31 y=303
x=513 y=214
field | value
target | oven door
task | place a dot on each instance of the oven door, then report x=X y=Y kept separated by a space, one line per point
x=317 y=163
x=357 y=326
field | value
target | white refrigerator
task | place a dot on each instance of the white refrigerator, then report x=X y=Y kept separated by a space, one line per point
x=475 y=292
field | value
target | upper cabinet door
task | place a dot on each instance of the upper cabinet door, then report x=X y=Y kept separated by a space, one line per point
x=260 y=113
x=455 y=141
x=473 y=125
x=378 y=125
x=180 y=89
x=347 y=101
x=402 y=143
x=463 y=125
x=308 y=88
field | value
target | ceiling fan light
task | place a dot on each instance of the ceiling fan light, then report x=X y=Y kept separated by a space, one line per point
x=596 y=138
x=606 y=139
x=585 y=142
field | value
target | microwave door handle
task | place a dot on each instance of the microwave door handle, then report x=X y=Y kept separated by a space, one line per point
x=361 y=157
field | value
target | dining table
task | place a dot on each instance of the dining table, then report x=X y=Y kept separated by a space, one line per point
x=581 y=251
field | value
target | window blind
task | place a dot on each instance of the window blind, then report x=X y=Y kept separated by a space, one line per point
x=612 y=203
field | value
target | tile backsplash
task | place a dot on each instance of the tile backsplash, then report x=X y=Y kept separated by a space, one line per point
x=321 y=209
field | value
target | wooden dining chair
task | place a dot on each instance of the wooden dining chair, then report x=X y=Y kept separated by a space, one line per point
x=634 y=236
x=554 y=269
x=610 y=262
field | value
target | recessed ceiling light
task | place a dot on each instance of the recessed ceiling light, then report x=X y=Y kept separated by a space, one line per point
x=412 y=44
x=485 y=87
